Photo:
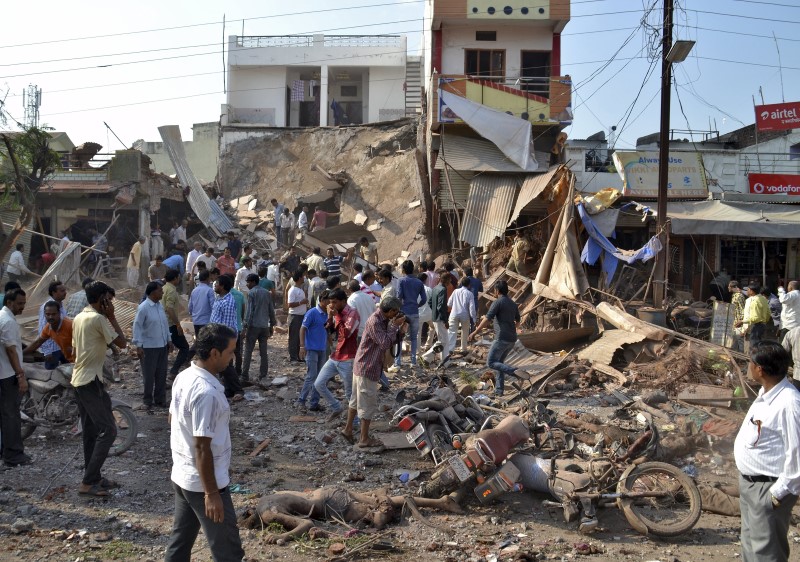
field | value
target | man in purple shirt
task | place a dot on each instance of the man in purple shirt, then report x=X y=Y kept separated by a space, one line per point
x=411 y=291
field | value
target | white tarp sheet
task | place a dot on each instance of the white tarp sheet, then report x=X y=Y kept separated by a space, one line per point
x=725 y=218
x=512 y=135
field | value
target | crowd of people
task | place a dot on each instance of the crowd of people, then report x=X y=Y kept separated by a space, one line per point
x=348 y=326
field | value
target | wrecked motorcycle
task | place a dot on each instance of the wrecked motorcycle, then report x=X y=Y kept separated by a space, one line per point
x=432 y=423
x=51 y=402
x=656 y=498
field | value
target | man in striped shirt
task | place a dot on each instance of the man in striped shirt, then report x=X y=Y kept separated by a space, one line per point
x=379 y=334
x=333 y=263
x=224 y=312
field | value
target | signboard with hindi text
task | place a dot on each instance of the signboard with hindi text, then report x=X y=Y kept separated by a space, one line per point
x=778 y=116
x=639 y=171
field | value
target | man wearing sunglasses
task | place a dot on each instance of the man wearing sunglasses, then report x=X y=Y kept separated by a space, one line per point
x=767 y=453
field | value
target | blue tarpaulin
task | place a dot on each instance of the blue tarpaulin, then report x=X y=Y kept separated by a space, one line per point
x=598 y=245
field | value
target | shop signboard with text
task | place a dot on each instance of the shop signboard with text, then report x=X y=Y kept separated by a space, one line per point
x=778 y=116
x=639 y=171
x=774 y=184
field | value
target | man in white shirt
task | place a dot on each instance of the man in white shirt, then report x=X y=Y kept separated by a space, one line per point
x=207 y=258
x=201 y=452
x=298 y=305
x=767 y=454
x=462 y=309
x=240 y=282
x=790 y=307
x=302 y=220
x=16 y=268
x=135 y=263
x=287 y=222
x=191 y=258
x=13 y=383
x=361 y=302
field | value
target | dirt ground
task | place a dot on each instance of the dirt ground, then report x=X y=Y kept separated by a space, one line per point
x=134 y=523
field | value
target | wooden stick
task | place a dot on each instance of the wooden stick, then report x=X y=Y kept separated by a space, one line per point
x=261 y=446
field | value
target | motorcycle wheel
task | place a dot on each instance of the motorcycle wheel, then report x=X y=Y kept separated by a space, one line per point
x=668 y=516
x=26 y=407
x=440 y=439
x=127 y=429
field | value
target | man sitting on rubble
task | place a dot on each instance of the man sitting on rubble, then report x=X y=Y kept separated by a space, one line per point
x=58 y=330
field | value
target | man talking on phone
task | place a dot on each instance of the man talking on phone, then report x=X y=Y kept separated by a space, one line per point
x=93 y=330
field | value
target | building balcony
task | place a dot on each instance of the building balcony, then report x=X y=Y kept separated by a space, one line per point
x=542 y=101
x=512 y=12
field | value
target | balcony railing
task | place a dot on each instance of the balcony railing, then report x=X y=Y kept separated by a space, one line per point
x=539 y=86
x=286 y=41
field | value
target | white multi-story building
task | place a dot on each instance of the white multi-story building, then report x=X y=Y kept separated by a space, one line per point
x=316 y=80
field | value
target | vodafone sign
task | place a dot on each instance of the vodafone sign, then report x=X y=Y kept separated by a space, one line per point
x=778 y=116
x=774 y=184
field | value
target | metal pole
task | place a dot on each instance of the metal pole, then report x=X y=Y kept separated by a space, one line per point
x=659 y=284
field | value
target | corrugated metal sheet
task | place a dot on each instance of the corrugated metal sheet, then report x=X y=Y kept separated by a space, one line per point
x=532 y=186
x=209 y=213
x=603 y=349
x=491 y=197
x=459 y=181
x=476 y=155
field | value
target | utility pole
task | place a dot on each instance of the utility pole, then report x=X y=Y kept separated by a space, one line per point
x=32 y=100
x=660 y=274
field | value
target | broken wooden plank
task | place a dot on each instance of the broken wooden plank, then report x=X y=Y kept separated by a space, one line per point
x=261 y=446
x=394 y=440
x=303 y=419
x=706 y=394
x=624 y=321
x=553 y=341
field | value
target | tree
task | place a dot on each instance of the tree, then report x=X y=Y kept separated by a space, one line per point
x=26 y=161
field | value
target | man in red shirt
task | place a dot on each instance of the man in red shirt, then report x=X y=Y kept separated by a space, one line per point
x=320 y=219
x=226 y=263
x=344 y=321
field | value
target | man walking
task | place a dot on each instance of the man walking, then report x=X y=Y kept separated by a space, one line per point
x=380 y=333
x=135 y=263
x=224 y=312
x=150 y=341
x=313 y=346
x=790 y=311
x=13 y=383
x=757 y=314
x=173 y=308
x=462 y=312
x=440 y=316
x=411 y=292
x=93 y=330
x=298 y=305
x=259 y=321
x=344 y=321
x=767 y=454
x=504 y=312
x=53 y=356
x=201 y=302
x=200 y=441
x=16 y=268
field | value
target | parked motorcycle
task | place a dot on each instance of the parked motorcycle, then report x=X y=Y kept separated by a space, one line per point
x=51 y=402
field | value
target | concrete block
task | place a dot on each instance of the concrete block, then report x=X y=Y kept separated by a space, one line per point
x=246 y=199
x=251 y=206
x=414 y=204
x=361 y=218
x=374 y=227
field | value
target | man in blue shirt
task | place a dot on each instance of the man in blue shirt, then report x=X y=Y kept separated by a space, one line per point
x=201 y=302
x=313 y=345
x=411 y=291
x=333 y=263
x=151 y=342
x=178 y=263
x=224 y=312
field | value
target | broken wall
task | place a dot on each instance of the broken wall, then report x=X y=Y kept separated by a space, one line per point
x=381 y=161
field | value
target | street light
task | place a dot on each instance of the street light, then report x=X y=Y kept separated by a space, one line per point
x=670 y=54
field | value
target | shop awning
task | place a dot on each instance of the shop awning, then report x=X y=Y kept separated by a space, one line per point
x=476 y=155
x=721 y=218
x=490 y=199
x=532 y=187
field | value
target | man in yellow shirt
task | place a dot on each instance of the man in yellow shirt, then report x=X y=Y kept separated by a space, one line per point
x=519 y=252
x=92 y=332
x=757 y=314
x=134 y=263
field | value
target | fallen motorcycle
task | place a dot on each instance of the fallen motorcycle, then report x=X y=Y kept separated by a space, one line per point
x=51 y=402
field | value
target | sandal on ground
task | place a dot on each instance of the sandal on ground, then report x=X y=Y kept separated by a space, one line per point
x=95 y=490
x=108 y=484
x=370 y=444
x=348 y=438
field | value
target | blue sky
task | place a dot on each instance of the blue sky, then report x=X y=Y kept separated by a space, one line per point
x=86 y=82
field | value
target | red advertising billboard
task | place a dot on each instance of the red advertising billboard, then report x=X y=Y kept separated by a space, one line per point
x=778 y=116
x=774 y=184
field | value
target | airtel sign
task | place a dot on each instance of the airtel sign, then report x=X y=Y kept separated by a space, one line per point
x=778 y=116
x=774 y=184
